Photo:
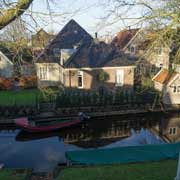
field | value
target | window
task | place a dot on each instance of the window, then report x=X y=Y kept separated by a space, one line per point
x=132 y=49
x=43 y=73
x=176 y=89
x=66 y=54
x=80 y=79
x=119 y=77
x=172 y=130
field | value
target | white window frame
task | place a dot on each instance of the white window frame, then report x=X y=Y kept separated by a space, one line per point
x=43 y=73
x=118 y=73
x=80 y=74
x=176 y=89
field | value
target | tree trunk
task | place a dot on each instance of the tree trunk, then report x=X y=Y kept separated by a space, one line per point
x=11 y=14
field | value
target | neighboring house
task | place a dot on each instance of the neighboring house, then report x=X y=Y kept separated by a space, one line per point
x=12 y=64
x=137 y=43
x=169 y=84
x=39 y=41
x=75 y=60
x=6 y=66
x=168 y=127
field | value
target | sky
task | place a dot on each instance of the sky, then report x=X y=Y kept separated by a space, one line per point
x=87 y=13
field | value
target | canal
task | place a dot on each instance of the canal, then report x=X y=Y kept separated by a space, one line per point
x=44 y=151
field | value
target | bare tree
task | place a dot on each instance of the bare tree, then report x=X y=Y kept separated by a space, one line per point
x=13 y=11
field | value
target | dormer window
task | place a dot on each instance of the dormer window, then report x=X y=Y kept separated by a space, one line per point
x=66 y=54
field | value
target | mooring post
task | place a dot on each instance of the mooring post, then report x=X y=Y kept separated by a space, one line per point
x=178 y=169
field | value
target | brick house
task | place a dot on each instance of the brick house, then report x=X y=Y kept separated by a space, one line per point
x=75 y=60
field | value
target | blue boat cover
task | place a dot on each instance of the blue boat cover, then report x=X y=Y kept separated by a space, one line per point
x=129 y=154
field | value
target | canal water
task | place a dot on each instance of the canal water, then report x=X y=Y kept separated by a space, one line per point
x=44 y=151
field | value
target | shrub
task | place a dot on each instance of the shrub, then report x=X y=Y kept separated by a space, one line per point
x=6 y=83
x=23 y=82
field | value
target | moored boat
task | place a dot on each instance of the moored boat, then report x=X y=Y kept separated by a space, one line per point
x=49 y=124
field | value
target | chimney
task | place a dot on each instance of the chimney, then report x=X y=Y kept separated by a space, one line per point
x=96 y=35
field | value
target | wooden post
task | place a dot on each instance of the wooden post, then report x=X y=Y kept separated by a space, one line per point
x=178 y=169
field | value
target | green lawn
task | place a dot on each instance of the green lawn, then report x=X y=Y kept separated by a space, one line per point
x=21 y=97
x=163 y=170
x=9 y=174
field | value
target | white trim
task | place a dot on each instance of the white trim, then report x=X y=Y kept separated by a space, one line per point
x=6 y=58
x=119 y=67
x=80 y=73
x=175 y=77
x=87 y=68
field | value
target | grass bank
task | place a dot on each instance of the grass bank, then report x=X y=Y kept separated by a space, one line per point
x=21 y=97
x=165 y=170
x=14 y=174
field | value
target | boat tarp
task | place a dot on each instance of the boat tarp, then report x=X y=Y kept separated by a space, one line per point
x=129 y=154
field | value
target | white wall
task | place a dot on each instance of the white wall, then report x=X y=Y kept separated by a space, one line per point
x=6 y=66
x=53 y=74
x=170 y=97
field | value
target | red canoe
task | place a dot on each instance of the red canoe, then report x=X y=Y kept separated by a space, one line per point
x=47 y=124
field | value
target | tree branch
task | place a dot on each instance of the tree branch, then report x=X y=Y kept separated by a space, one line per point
x=11 y=14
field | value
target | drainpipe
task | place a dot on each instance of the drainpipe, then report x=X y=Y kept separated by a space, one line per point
x=70 y=78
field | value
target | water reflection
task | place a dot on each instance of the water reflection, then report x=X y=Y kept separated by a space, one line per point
x=42 y=155
x=43 y=151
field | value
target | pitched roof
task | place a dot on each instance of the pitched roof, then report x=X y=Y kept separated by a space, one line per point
x=98 y=54
x=70 y=36
x=164 y=76
x=123 y=37
x=89 y=52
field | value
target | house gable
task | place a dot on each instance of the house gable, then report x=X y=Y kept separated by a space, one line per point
x=72 y=36
x=124 y=37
